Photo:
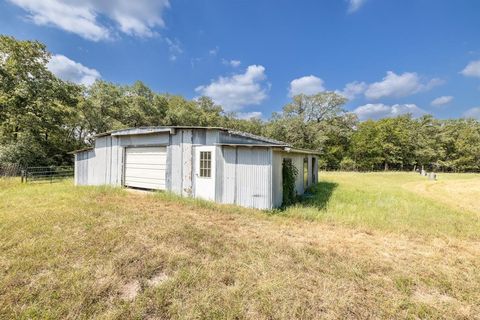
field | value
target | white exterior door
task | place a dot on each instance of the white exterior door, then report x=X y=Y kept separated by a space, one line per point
x=145 y=167
x=205 y=172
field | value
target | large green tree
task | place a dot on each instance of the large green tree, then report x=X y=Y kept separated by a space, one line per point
x=316 y=122
x=37 y=110
x=42 y=118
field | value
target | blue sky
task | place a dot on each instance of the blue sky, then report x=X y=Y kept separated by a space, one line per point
x=388 y=57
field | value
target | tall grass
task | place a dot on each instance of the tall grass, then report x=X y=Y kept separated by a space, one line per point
x=96 y=252
x=387 y=201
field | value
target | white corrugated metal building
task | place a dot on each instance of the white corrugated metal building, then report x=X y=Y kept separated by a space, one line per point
x=216 y=164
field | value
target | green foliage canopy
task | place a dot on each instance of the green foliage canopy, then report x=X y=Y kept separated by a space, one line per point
x=42 y=118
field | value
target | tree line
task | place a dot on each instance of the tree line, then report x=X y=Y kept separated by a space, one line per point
x=43 y=118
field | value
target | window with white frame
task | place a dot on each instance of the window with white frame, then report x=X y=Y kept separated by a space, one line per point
x=205 y=164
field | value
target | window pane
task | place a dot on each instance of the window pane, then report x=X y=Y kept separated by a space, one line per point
x=205 y=164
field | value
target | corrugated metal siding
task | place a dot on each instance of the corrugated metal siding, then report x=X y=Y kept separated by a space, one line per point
x=116 y=163
x=247 y=177
x=219 y=161
x=211 y=137
x=253 y=178
x=176 y=164
x=83 y=165
x=277 y=187
x=144 y=140
x=225 y=137
x=187 y=168
x=229 y=175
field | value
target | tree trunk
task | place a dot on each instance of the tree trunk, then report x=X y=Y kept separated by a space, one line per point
x=15 y=133
x=386 y=166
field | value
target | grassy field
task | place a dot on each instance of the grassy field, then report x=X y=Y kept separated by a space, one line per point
x=380 y=245
x=399 y=202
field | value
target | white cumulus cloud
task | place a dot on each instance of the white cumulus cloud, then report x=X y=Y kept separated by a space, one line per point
x=354 y=5
x=213 y=52
x=174 y=47
x=472 y=113
x=136 y=18
x=394 y=85
x=353 y=89
x=440 y=101
x=249 y=115
x=69 y=70
x=239 y=90
x=306 y=85
x=380 y=110
x=472 y=69
x=233 y=63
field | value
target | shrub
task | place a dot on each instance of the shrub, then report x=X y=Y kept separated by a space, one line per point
x=348 y=164
x=289 y=174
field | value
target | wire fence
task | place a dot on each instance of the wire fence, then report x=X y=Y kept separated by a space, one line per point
x=10 y=170
x=46 y=174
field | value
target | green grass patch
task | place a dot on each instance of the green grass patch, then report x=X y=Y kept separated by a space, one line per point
x=97 y=252
x=383 y=201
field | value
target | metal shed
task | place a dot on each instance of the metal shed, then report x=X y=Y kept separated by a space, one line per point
x=211 y=163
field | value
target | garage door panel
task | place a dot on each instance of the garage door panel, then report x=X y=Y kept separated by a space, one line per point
x=146 y=150
x=142 y=156
x=139 y=182
x=149 y=160
x=152 y=174
x=145 y=167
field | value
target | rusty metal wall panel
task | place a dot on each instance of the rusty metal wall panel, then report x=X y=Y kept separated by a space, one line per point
x=187 y=168
x=176 y=163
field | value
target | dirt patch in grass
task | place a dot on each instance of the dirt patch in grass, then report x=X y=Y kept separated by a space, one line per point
x=157 y=279
x=130 y=290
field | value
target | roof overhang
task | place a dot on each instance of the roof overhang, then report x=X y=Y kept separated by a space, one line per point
x=284 y=148
x=303 y=151
x=251 y=145
x=136 y=131
x=80 y=150
x=142 y=131
x=263 y=141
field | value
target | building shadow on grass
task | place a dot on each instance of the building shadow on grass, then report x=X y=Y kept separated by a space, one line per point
x=318 y=195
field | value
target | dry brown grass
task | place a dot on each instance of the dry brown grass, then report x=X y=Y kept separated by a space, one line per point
x=101 y=253
x=463 y=194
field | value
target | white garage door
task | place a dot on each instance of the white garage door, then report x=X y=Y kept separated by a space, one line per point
x=145 y=167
